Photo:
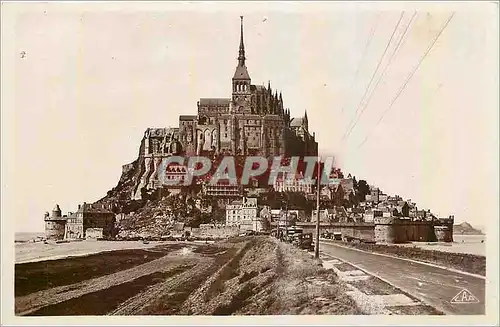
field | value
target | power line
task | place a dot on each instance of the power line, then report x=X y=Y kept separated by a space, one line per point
x=367 y=45
x=434 y=93
x=409 y=78
x=400 y=43
x=376 y=70
x=349 y=128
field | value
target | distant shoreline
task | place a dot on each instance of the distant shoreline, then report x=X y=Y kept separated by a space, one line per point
x=23 y=237
x=469 y=233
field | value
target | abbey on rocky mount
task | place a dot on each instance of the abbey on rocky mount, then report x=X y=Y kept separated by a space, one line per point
x=252 y=122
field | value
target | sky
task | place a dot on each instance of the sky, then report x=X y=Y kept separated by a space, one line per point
x=82 y=82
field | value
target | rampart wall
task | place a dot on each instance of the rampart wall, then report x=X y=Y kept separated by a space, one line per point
x=388 y=230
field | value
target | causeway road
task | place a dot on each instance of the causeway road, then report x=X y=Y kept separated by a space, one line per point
x=432 y=285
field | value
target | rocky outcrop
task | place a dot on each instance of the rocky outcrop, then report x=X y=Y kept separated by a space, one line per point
x=466 y=229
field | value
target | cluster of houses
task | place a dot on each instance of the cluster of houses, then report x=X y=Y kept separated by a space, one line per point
x=244 y=212
x=378 y=204
x=249 y=215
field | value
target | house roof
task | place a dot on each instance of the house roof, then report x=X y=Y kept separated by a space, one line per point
x=179 y=226
x=265 y=211
x=214 y=101
x=311 y=196
x=337 y=187
x=297 y=176
x=340 y=211
x=176 y=168
x=50 y=218
x=94 y=208
x=296 y=122
x=187 y=117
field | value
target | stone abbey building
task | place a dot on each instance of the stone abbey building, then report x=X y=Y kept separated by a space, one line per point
x=253 y=121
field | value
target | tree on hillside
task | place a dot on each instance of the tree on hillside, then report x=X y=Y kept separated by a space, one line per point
x=353 y=201
x=274 y=200
x=338 y=196
x=218 y=214
x=363 y=190
x=325 y=203
x=196 y=218
x=266 y=224
x=292 y=218
x=405 y=210
x=347 y=203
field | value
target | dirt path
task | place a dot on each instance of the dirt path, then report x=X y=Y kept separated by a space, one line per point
x=144 y=299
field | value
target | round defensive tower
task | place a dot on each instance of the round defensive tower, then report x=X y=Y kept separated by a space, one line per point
x=54 y=225
x=56 y=212
x=385 y=229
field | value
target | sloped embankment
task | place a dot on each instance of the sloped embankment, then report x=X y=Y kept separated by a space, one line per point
x=267 y=277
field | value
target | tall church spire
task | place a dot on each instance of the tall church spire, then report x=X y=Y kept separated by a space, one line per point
x=241 y=57
x=305 y=121
x=241 y=77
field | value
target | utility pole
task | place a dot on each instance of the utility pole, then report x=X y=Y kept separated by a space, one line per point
x=286 y=216
x=316 y=243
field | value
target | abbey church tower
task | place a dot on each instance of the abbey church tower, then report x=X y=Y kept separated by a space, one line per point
x=253 y=121
x=241 y=96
